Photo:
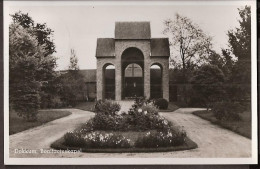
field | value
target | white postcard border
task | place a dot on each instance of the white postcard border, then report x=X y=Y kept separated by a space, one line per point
x=111 y=161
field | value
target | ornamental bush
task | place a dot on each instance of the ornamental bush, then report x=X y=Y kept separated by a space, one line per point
x=161 y=103
x=227 y=111
x=74 y=139
x=161 y=139
x=107 y=107
x=104 y=140
x=96 y=140
x=104 y=122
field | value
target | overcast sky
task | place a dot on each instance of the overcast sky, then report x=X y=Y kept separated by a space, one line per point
x=79 y=27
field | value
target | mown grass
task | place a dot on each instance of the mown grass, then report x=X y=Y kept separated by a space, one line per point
x=18 y=124
x=242 y=127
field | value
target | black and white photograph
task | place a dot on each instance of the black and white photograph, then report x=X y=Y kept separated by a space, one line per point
x=130 y=82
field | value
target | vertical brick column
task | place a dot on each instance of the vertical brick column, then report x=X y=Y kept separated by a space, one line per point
x=147 y=80
x=165 y=81
x=100 y=81
x=118 y=74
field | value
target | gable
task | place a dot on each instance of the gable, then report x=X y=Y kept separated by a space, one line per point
x=132 y=30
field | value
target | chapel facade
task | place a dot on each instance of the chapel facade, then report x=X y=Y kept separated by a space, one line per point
x=132 y=54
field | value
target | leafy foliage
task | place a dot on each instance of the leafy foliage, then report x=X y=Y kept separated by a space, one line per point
x=107 y=107
x=161 y=103
x=34 y=40
x=96 y=139
x=28 y=68
x=240 y=48
x=227 y=111
x=189 y=43
x=103 y=131
x=190 y=47
x=42 y=33
x=72 y=83
x=74 y=139
x=138 y=118
x=161 y=139
x=207 y=82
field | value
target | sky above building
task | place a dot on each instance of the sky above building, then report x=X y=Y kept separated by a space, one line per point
x=78 y=25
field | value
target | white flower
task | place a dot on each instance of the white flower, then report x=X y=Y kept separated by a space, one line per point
x=169 y=134
x=140 y=110
x=165 y=122
x=145 y=112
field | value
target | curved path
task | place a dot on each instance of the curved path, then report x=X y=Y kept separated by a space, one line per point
x=212 y=140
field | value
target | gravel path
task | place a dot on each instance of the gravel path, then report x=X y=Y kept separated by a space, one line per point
x=212 y=140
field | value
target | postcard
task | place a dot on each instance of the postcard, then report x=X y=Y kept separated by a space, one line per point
x=130 y=82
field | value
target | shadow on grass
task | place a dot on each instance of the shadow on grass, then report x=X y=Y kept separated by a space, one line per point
x=18 y=124
x=241 y=127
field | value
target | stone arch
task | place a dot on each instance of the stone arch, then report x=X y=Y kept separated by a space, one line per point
x=132 y=86
x=108 y=70
x=156 y=80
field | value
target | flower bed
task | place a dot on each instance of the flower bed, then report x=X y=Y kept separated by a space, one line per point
x=136 y=130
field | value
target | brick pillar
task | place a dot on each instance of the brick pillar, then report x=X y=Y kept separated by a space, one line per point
x=147 y=80
x=100 y=81
x=118 y=74
x=165 y=81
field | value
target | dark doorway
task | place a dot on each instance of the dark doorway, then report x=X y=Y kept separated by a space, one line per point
x=133 y=82
x=109 y=74
x=156 y=81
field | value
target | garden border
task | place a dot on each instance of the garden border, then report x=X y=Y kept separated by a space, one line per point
x=189 y=144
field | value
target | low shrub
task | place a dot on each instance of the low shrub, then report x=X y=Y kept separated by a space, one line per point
x=140 y=101
x=227 y=110
x=137 y=118
x=96 y=140
x=104 y=122
x=104 y=140
x=107 y=107
x=161 y=139
x=74 y=139
x=161 y=103
x=150 y=109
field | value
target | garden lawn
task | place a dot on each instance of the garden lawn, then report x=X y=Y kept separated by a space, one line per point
x=242 y=127
x=87 y=106
x=18 y=124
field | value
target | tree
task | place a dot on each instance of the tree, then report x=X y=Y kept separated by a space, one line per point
x=43 y=36
x=73 y=84
x=73 y=61
x=42 y=33
x=207 y=81
x=189 y=44
x=240 y=48
x=27 y=62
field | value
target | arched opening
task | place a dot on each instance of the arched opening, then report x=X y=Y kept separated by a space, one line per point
x=133 y=81
x=132 y=73
x=109 y=81
x=156 y=81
